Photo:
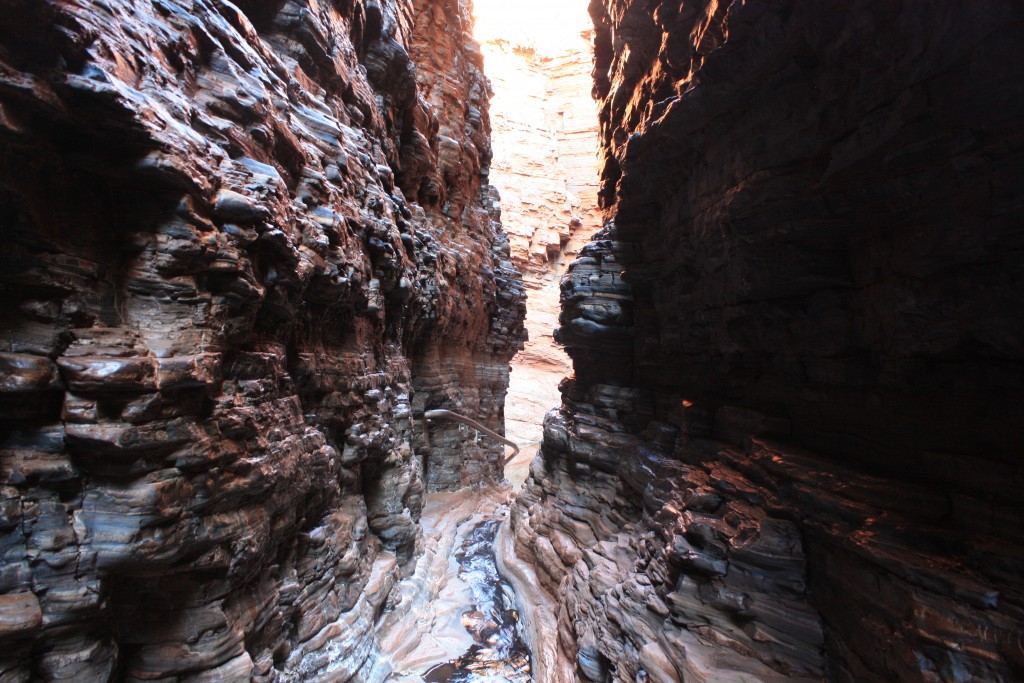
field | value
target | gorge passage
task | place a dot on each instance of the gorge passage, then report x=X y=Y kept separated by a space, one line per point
x=248 y=247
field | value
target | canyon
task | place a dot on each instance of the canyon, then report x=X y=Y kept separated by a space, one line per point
x=253 y=251
x=791 y=447
x=545 y=140
x=246 y=248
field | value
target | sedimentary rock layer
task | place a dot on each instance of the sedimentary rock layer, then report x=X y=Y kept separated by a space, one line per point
x=243 y=247
x=792 y=445
x=545 y=166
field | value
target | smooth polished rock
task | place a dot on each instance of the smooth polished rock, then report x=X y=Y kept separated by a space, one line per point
x=423 y=625
x=21 y=615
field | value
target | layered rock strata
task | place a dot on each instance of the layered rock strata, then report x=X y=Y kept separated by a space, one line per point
x=791 y=449
x=545 y=166
x=244 y=247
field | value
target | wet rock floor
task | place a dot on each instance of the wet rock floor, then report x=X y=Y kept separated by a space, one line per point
x=454 y=619
x=499 y=652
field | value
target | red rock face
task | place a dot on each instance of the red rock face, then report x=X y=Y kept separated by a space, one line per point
x=789 y=447
x=243 y=249
x=545 y=166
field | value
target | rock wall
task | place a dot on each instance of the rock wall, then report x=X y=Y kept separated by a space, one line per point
x=792 y=446
x=545 y=166
x=244 y=246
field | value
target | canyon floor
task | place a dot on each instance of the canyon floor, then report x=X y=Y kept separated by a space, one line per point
x=425 y=627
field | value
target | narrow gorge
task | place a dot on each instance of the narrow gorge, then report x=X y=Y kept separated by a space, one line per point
x=742 y=278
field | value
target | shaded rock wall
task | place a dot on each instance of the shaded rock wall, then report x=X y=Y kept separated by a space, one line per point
x=243 y=247
x=792 y=445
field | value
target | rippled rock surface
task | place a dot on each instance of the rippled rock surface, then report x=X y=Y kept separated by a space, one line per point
x=791 y=449
x=243 y=246
x=498 y=653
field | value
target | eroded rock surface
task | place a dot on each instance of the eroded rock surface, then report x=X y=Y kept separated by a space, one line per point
x=545 y=166
x=792 y=446
x=244 y=246
x=427 y=626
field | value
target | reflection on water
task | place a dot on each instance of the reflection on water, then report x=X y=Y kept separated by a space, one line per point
x=499 y=653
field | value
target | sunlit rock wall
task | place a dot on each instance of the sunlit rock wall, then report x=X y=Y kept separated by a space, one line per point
x=243 y=247
x=545 y=166
x=792 y=448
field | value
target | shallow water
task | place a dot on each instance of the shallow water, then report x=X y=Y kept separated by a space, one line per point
x=499 y=652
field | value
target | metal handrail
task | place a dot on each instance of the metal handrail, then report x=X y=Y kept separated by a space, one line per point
x=469 y=422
